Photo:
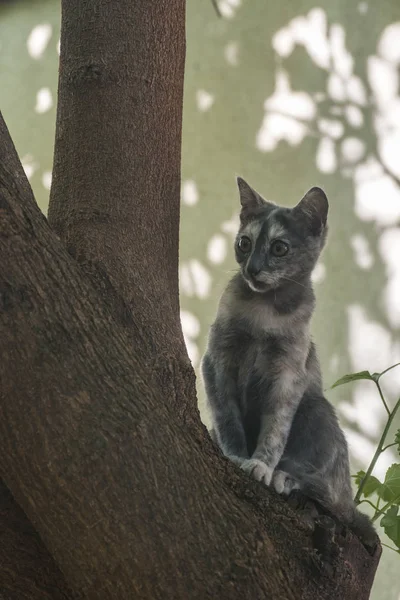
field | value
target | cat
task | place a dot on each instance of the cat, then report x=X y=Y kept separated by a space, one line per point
x=260 y=369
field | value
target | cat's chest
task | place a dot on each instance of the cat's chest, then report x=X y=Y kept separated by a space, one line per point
x=262 y=357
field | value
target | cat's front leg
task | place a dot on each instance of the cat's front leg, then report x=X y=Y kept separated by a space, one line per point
x=228 y=430
x=280 y=403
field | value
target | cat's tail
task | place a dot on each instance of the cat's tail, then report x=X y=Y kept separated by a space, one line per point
x=315 y=488
x=362 y=526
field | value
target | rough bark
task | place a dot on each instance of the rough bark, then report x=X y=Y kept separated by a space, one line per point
x=27 y=571
x=100 y=440
x=121 y=79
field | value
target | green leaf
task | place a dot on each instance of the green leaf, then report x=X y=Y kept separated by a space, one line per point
x=371 y=485
x=391 y=524
x=390 y=489
x=359 y=477
x=353 y=377
x=397 y=440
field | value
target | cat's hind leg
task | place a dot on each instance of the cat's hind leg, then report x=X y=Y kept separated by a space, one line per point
x=284 y=483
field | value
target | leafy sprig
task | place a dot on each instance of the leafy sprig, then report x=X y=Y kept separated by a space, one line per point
x=370 y=486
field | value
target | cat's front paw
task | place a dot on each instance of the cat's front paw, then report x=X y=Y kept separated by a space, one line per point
x=258 y=469
x=283 y=483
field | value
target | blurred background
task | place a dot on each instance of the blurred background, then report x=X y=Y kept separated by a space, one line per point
x=288 y=95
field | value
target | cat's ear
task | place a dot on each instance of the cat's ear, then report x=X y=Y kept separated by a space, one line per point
x=314 y=208
x=250 y=200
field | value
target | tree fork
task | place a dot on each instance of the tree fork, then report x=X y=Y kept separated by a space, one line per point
x=109 y=461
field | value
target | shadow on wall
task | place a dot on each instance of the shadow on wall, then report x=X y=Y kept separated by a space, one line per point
x=289 y=95
x=286 y=97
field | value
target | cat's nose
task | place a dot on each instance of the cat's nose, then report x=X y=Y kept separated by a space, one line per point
x=254 y=267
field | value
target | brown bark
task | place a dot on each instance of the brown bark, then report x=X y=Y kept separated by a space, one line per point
x=100 y=440
x=121 y=79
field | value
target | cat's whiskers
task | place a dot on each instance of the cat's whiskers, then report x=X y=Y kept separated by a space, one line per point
x=294 y=281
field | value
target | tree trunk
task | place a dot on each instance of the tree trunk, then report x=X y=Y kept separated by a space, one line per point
x=101 y=443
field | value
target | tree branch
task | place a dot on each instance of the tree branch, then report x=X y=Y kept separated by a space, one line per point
x=105 y=470
x=120 y=110
x=27 y=571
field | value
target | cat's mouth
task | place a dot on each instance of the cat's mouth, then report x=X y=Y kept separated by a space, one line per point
x=255 y=285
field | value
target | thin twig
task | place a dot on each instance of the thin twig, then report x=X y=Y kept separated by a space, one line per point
x=215 y=5
x=389 y=446
x=371 y=503
x=385 y=507
x=393 y=366
x=382 y=398
x=390 y=548
x=378 y=452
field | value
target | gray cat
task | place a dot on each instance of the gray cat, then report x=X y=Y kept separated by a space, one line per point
x=261 y=371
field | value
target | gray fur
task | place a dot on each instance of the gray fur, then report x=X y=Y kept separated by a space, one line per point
x=261 y=371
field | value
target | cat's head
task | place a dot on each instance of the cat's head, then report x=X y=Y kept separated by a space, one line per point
x=277 y=245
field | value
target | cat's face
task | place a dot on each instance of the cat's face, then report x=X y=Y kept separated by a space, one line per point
x=277 y=245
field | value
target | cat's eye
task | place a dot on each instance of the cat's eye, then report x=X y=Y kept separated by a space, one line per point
x=244 y=244
x=279 y=248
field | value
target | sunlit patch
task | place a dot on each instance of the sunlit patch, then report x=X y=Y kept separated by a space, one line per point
x=217 y=249
x=362 y=252
x=231 y=53
x=362 y=7
x=325 y=159
x=29 y=165
x=296 y=104
x=341 y=58
x=389 y=249
x=44 y=100
x=279 y=127
x=190 y=324
x=192 y=350
x=190 y=193
x=228 y=8
x=370 y=344
x=309 y=31
x=355 y=91
x=331 y=127
x=388 y=145
x=194 y=279
x=283 y=42
x=366 y=410
x=383 y=79
x=352 y=149
x=204 y=100
x=336 y=88
x=284 y=109
x=231 y=227
x=388 y=46
x=38 y=39
x=354 y=115
x=58 y=47
x=371 y=184
x=319 y=273
x=46 y=180
x=363 y=451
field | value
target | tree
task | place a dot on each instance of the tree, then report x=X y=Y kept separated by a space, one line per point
x=111 y=485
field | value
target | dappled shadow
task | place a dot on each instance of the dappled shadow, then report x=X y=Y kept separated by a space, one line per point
x=289 y=95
